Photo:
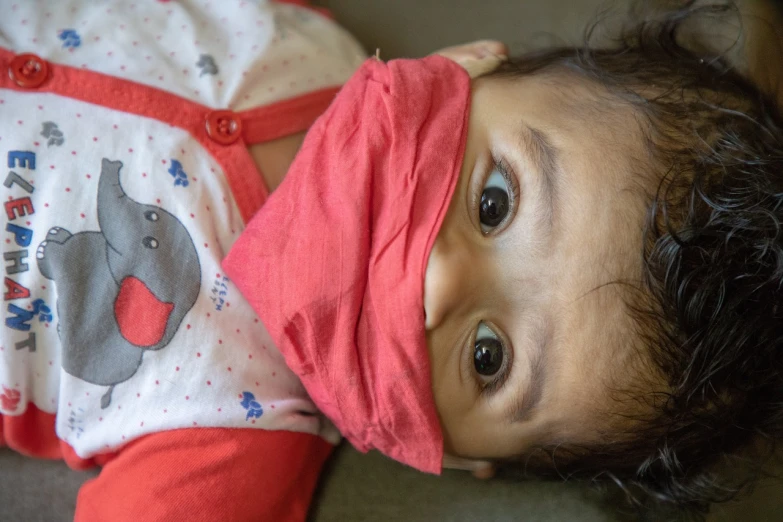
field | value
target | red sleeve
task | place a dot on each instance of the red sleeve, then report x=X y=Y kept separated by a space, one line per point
x=207 y=475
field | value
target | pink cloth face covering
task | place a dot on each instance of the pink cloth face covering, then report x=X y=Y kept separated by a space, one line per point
x=334 y=262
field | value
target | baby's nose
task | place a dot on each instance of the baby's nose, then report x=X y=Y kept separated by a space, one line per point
x=445 y=281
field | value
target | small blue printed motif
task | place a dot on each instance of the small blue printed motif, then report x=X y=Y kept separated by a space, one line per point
x=180 y=176
x=43 y=312
x=253 y=408
x=70 y=38
x=219 y=293
x=76 y=423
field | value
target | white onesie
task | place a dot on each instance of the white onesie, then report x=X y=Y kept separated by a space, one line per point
x=124 y=130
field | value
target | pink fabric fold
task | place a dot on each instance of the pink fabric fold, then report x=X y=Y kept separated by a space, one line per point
x=334 y=262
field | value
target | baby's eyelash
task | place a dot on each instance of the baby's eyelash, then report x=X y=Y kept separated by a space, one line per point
x=490 y=388
x=498 y=168
x=508 y=174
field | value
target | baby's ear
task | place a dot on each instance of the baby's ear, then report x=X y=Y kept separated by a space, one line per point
x=478 y=58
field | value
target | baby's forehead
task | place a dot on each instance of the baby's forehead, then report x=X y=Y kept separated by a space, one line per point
x=575 y=102
x=595 y=270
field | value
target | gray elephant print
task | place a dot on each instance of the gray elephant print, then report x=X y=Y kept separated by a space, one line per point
x=122 y=290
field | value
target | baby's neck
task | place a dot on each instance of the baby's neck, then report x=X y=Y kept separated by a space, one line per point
x=274 y=157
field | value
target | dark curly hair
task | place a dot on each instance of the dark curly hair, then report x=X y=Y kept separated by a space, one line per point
x=709 y=307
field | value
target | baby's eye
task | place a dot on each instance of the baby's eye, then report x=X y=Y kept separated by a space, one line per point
x=487 y=352
x=494 y=201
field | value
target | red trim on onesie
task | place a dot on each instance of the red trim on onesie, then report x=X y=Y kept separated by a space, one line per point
x=31 y=433
x=285 y=117
x=270 y=122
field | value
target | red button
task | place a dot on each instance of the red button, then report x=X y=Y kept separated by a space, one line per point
x=28 y=70
x=224 y=127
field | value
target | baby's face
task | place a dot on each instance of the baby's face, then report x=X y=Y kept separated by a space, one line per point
x=524 y=329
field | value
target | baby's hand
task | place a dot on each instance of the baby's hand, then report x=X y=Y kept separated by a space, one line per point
x=478 y=58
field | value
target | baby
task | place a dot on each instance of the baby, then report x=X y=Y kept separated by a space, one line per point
x=600 y=299
x=589 y=242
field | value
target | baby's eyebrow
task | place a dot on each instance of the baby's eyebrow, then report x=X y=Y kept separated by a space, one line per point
x=544 y=155
x=545 y=158
x=530 y=395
